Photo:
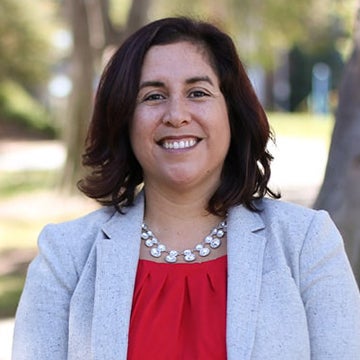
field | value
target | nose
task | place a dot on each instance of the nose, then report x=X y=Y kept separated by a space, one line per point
x=177 y=113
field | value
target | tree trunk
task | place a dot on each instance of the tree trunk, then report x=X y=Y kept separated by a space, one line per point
x=137 y=16
x=92 y=32
x=340 y=191
x=82 y=67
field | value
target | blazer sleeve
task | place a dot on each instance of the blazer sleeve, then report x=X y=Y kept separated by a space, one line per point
x=41 y=325
x=329 y=292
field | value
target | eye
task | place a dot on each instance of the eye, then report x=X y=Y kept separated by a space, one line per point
x=198 y=94
x=154 y=97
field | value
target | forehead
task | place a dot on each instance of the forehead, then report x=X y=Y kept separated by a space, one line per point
x=179 y=57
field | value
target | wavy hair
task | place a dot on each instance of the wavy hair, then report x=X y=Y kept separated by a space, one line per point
x=115 y=172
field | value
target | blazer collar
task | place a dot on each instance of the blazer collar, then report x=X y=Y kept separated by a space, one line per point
x=246 y=244
x=117 y=259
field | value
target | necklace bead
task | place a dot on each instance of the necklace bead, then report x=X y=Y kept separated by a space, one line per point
x=211 y=242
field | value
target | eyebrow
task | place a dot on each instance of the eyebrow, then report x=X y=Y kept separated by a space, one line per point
x=192 y=80
x=196 y=79
x=151 y=84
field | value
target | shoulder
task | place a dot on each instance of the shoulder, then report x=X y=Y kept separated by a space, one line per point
x=291 y=226
x=290 y=216
x=80 y=229
x=276 y=216
x=271 y=207
x=305 y=236
x=71 y=241
x=83 y=226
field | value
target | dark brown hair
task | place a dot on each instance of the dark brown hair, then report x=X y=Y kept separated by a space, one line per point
x=116 y=174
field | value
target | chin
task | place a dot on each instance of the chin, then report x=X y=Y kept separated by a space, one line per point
x=182 y=180
x=179 y=178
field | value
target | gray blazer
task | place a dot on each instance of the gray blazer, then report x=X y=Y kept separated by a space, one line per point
x=291 y=293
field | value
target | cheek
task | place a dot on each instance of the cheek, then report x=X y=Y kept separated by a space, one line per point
x=228 y=131
x=143 y=122
x=137 y=125
x=224 y=136
x=141 y=136
x=135 y=136
x=223 y=128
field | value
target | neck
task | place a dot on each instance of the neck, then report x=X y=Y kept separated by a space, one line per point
x=180 y=221
x=167 y=206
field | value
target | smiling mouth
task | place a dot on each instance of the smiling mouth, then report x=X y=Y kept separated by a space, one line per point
x=179 y=144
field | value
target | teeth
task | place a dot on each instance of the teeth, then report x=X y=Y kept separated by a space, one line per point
x=182 y=144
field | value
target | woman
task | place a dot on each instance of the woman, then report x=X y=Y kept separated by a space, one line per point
x=196 y=264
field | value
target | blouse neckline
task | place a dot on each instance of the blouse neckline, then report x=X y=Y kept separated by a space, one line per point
x=181 y=264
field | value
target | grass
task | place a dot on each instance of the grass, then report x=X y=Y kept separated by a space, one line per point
x=18 y=223
x=13 y=184
x=302 y=125
x=29 y=200
x=23 y=233
x=10 y=290
x=19 y=227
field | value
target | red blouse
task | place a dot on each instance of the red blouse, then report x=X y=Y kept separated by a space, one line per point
x=179 y=311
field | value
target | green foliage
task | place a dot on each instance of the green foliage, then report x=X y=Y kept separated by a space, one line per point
x=16 y=105
x=25 y=56
x=301 y=63
x=24 y=40
x=262 y=28
x=269 y=26
x=10 y=291
x=119 y=10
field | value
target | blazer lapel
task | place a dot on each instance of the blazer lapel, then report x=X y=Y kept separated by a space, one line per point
x=246 y=244
x=117 y=259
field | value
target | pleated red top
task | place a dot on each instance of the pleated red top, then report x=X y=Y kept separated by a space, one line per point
x=179 y=311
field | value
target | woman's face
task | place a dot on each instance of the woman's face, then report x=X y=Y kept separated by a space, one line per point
x=180 y=132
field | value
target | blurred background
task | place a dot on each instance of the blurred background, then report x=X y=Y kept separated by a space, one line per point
x=302 y=57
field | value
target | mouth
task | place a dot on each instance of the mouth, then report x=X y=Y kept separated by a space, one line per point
x=175 y=144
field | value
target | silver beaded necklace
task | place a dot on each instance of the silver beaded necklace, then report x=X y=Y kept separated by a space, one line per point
x=210 y=242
